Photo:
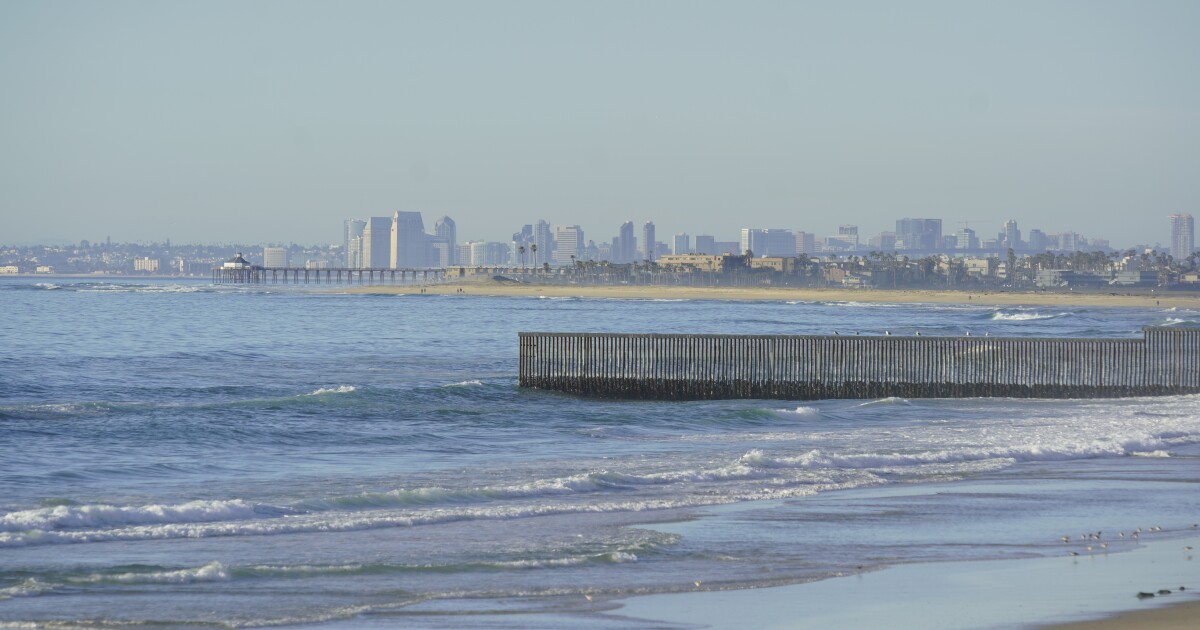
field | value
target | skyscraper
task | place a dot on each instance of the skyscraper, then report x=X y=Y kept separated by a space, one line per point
x=648 y=242
x=706 y=244
x=1012 y=235
x=568 y=240
x=768 y=242
x=351 y=229
x=625 y=245
x=682 y=244
x=445 y=231
x=919 y=234
x=1183 y=236
x=410 y=245
x=376 y=243
x=849 y=235
x=543 y=238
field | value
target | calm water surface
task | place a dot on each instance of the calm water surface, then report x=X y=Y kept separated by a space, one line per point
x=174 y=452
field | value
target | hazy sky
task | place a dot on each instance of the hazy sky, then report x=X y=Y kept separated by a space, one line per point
x=274 y=121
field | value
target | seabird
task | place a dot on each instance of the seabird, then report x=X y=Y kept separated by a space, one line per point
x=918 y=333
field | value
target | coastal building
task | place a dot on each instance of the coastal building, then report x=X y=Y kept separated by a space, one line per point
x=376 y=243
x=918 y=234
x=806 y=243
x=648 y=243
x=410 y=246
x=275 y=257
x=681 y=244
x=145 y=264
x=883 y=242
x=1038 y=242
x=543 y=244
x=699 y=262
x=1183 y=236
x=1012 y=235
x=568 y=244
x=625 y=244
x=445 y=231
x=966 y=239
x=706 y=244
x=353 y=229
x=768 y=242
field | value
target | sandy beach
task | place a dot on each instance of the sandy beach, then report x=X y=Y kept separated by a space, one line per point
x=492 y=287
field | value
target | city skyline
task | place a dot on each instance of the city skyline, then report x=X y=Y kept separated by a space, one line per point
x=126 y=120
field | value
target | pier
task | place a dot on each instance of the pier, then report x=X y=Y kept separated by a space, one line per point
x=1164 y=361
x=328 y=275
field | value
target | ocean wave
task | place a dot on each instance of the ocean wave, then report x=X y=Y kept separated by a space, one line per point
x=470 y=383
x=211 y=572
x=1024 y=316
x=807 y=412
x=1158 y=453
x=92 y=516
x=890 y=400
x=340 y=389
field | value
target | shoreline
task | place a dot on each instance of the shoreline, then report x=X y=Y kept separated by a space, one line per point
x=492 y=288
x=1051 y=593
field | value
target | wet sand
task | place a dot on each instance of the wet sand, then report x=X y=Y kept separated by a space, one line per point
x=1014 y=298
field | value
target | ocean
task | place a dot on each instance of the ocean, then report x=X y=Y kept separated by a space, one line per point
x=173 y=452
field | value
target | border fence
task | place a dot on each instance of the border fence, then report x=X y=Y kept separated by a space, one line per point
x=1165 y=361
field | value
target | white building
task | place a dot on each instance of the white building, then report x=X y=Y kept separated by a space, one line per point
x=275 y=257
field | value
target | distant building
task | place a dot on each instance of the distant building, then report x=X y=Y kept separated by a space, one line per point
x=543 y=239
x=681 y=244
x=768 y=242
x=486 y=254
x=377 y=243
x=1038 y=241
x=848 y=234
x=727 y=247
x=353 y=229
x=919 y=234
x=445 y=231
x=884 y=242
x=354 y=253
x=410 y=246
x=648 y=243
x=1183 y=236
x=806 y=243
x=146 y=264
x=706 y=244
x=625 y=244
x=568 y=244
x=275 y=257
x=1012 y=235
x=966 y=239
x=699 y=262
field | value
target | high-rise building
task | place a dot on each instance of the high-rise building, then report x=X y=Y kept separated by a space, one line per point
x=625 y=244
x=410 y=245
x=275 y=257
x=354 y=253
x=648 y=242
x=919 y=234
x=1038 y=241
x=806 y=243
x=445 y=231
x=543 y=239
x=1183 y=236
x=351 y=229
x=520 y=246
x=377 y=243
x=706 y=244
x=966 y=239
x=568 y=243
x=1012 y=235
x=849 y=235
x=682 y=244
x=768 y=242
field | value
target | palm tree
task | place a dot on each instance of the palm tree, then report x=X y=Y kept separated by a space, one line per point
x=533 y=253
x=521 y=251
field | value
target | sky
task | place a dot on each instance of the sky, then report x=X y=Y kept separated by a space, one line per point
x=269 y=121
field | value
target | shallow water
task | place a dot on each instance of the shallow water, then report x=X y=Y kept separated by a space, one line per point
x=181 y=452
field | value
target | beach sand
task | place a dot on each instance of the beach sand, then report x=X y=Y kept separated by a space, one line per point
x=491 y=287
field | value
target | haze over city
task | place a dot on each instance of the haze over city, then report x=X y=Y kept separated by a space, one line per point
x=275 y=121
